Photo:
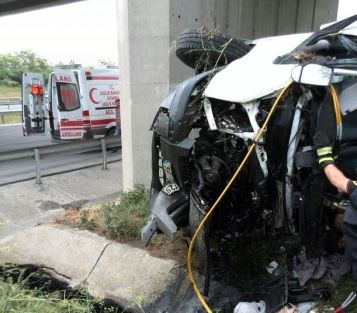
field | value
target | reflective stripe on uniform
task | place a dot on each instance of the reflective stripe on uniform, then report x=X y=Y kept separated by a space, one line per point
x=322 y=160
x=323 y=151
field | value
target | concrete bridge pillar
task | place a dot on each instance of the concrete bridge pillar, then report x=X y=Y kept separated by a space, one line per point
x=146 y=30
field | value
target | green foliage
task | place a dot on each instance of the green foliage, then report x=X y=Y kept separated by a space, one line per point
x=339 y=294
x=13 y=64
x=10 y=119
x=86 y=221
x=16 y=298
x=125 y=219
x=7 y=91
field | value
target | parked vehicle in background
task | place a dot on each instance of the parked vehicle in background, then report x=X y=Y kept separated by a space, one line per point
x=81 y=102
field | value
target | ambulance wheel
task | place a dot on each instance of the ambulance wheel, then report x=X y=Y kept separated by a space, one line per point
x=203 y=49
x=111 y=133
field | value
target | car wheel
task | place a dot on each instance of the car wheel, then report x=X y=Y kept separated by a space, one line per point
x=203 y=49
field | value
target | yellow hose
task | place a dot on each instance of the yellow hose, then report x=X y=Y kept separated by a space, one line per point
x=336 y=105
x=189 y=254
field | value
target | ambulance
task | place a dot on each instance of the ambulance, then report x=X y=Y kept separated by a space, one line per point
x=81 y=102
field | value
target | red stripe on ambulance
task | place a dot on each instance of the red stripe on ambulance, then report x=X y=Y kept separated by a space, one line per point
x=85 y=112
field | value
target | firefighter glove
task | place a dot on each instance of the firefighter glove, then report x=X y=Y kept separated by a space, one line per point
x=323 y=149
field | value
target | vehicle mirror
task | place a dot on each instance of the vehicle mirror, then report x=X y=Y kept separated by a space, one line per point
x=312 y=74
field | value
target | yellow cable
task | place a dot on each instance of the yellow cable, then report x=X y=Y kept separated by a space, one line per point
x=336 y=105
x=189 y=254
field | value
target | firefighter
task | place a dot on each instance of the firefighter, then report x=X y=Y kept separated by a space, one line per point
x=341 y=182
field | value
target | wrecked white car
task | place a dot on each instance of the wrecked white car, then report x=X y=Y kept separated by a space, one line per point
x=204 y=128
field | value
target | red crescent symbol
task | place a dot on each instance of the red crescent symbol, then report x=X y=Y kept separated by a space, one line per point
x=91 y=96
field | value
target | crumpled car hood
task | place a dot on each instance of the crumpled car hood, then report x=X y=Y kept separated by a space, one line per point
x=254 y=75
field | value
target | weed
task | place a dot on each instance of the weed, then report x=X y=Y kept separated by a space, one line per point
x=15 y=298
x=125 y=218
x=339 y=293
x=86 y=221
x=10 y=119
x=10 y=91
x=29 y=289
x=120 y=220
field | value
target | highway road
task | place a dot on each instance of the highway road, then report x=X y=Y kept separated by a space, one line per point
x=25 y=169
x=11 y=138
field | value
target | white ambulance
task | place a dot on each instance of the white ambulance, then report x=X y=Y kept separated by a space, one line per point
x=81 y=101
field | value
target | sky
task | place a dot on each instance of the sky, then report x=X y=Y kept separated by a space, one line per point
x=84 y=32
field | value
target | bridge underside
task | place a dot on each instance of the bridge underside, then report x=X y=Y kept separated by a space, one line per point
x=16 y=6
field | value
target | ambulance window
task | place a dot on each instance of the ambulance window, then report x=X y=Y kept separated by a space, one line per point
x=68 y=99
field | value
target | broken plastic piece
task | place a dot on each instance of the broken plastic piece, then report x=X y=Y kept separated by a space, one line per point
x=250 y=307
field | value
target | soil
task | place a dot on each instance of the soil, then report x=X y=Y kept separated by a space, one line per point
x=160 y=246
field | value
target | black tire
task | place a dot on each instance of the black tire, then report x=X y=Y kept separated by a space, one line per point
x=110 y=133
x=202 y=49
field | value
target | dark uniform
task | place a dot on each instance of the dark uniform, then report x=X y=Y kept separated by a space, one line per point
x=350 y=229
x=325 y=157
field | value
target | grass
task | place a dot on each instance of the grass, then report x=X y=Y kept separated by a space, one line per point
x=14 y=297
x=30 y=289
x=120 y=220
x=123 y=220
x=7 y=91
x=339 y=293
x=10 y=119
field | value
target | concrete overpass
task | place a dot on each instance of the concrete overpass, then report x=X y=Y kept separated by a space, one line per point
x=147 y=30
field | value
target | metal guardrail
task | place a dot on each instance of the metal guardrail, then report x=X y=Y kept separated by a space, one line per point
x=63 y=149
x=10 y=100
x=9 y=105
x=10 y=108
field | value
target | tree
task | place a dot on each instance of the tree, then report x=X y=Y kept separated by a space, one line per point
x=13 y=64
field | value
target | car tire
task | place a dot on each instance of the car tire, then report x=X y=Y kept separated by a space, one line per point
x=202 y=49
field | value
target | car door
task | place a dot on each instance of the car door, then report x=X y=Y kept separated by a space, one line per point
x=33 y=107
x=66 y=106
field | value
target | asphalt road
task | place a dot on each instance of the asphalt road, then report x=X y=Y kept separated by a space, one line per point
x=25 y=169
x=11 y=138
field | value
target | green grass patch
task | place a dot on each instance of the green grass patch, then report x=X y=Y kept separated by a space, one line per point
x=30 y=289
x=8 y=91
x=10 y=119
x=339 y=293
x=16 y=298
x=123 y=219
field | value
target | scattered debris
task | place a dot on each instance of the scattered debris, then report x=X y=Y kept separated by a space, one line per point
x=250 y=307
x=328 y=267
x=289 y=309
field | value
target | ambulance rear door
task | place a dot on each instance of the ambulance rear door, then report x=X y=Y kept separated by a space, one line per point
x=65 y=106
x=33 y=107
